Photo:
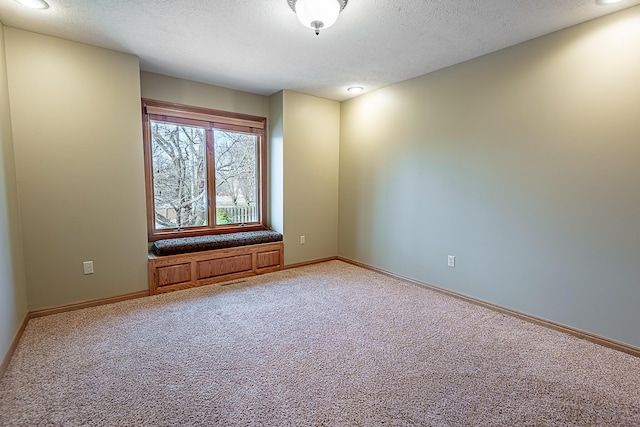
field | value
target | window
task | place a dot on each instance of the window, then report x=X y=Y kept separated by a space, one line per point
x=204 y=170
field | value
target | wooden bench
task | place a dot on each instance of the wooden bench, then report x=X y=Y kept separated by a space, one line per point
x=183 y=263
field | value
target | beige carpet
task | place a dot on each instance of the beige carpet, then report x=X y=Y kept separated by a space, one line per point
x=323 y=345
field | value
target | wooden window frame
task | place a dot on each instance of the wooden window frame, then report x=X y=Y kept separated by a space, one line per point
x=210 y=119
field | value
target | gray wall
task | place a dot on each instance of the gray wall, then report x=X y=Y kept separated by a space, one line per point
x=13 y=289
x=276 y=161
x=523 y=164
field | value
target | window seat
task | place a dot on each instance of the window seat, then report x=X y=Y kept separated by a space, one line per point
x=183 y=245
x=187 y=262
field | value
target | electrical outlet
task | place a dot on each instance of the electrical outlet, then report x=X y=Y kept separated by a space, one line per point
x=451 y=261
x=88 y=267
x=302 y=240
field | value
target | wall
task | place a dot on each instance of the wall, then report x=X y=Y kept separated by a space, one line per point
x=13 y=289
x=276 y=161
x=171 y=89
x=78 y=147
x=311 y=139
x=522 y=163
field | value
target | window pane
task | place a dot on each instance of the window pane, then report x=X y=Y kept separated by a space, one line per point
x=236 y=177
x=179 y=175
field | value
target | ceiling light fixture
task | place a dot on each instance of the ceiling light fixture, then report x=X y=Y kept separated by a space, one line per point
x=34 y=4
x=606 y=2
x=317 y=14
x=355 y=89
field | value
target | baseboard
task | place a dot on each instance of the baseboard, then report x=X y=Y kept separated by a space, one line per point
x=315 y=261
x=12 y=347
x=86 y=304
x=606 y=342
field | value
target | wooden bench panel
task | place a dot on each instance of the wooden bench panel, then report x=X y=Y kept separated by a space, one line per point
x=174 y=272
x=224 y=266
x=268 y=259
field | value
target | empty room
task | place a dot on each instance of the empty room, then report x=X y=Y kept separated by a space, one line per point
x=319 y=213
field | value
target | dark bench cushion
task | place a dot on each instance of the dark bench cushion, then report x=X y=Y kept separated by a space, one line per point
x=183 y=245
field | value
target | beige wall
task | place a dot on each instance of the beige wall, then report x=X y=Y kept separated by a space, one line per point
x=311 y=139
x=171 y=89
x=78 y=146
x=13 y=289
x=523 y=164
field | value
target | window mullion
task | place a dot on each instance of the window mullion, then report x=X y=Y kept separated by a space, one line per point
x=211 y=179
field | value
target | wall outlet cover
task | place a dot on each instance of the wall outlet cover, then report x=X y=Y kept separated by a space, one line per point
x=451 y=261
x=87 y=267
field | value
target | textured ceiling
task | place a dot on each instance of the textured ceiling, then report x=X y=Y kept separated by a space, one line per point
x=259 y=46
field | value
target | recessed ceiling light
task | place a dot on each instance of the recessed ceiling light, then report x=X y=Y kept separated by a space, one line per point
x=34 y=4
x=355 y=89
x=605 y=2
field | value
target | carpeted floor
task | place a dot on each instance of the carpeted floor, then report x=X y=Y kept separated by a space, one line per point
x=324 y=345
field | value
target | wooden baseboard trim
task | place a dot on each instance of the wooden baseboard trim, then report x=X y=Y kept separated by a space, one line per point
x=13 y=346
x=86 y=304
x=605 y=342
x=315 y=261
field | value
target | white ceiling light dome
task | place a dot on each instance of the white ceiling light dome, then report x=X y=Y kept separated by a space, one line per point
x=34 y=4
x=317 y=14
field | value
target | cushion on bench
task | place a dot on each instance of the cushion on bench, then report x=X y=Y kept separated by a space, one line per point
x=183 y=245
